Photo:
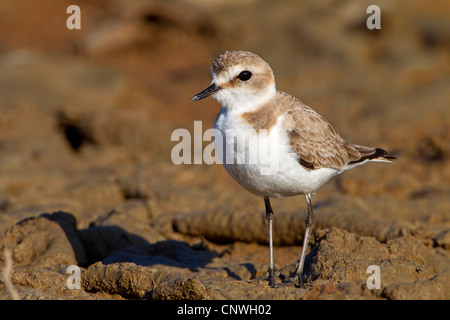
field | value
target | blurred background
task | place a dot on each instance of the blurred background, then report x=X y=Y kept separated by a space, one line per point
x=86 y=115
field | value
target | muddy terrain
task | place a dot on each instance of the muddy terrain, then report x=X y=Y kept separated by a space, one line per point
x=87 y=180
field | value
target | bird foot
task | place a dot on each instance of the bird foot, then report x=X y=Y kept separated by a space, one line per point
x=270 y=276
x=286 y=281
x=295 y=280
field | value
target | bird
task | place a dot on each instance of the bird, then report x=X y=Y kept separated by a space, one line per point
x=305 y=147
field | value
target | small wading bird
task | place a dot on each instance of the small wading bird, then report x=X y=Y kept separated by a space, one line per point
x=309 y=152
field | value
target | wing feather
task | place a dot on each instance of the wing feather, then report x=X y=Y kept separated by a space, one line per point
x=313 y=139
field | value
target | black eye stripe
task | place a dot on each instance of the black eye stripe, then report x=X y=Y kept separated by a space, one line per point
x=244 y=75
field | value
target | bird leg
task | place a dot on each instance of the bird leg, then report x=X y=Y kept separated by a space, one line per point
x=271 y=271
x=309 y=221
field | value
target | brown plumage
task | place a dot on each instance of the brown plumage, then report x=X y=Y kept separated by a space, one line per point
x=312 y=138
x=232 y=58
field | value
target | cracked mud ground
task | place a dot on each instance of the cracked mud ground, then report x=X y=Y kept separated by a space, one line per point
x=86 y=176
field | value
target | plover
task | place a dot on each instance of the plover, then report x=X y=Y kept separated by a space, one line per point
x=309 y=149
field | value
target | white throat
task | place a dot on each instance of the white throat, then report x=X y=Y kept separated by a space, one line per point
x=243 y=99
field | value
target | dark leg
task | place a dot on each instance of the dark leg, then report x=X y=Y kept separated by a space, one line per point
x=271 y=272
x=309 y=221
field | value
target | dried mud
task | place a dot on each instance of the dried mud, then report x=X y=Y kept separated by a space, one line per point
x=86 y=177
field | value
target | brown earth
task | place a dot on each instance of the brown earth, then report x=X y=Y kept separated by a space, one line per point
x=86 y=176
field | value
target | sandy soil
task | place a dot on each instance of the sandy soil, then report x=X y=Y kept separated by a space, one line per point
x=86 y=176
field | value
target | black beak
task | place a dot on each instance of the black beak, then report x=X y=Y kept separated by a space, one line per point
x=207 y=92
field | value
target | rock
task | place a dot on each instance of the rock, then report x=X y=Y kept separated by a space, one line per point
x=49 y=284
x=434 y=288
x=69 y=224
x=343 y=257
x=443 y=239
x=231 y=224
x=339 y=291
x=132 y=281
x=43 y=242
x=223 y=226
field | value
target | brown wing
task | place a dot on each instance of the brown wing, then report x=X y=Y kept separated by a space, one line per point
x=315 y=141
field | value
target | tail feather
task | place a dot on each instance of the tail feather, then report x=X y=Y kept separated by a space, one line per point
x=375 y=154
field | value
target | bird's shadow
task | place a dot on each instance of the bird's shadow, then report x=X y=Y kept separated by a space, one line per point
x=172 y=253
x=113 y=244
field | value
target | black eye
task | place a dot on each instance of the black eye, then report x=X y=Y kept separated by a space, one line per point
x=244 y=75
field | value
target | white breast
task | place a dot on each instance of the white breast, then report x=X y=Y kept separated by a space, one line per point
x=263 y=161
